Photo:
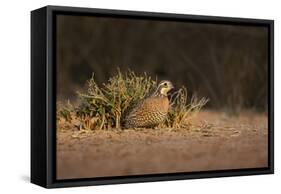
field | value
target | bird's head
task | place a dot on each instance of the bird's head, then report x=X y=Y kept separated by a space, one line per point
x=164 y=87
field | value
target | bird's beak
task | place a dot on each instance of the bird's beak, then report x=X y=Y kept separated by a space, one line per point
x=171 y=89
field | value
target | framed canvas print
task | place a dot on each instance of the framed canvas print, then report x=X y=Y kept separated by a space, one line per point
x=125 y=96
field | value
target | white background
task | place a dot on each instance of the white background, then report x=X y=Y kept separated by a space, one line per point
x=15 y=95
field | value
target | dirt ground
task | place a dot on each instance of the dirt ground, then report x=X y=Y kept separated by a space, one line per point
x=213 y=141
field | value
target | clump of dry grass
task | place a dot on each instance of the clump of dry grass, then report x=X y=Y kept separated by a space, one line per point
x=182 y=108
x=103 y=107
x=64 y=111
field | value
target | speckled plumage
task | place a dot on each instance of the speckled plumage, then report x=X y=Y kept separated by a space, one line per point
x=151 y=111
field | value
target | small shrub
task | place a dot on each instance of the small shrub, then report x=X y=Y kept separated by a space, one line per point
x=109 y=102
x=103 y=107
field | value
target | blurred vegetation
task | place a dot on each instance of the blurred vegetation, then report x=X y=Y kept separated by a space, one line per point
x=105 y=106
x=226 y=63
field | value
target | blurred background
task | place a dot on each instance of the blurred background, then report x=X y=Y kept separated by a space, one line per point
x=226 y=63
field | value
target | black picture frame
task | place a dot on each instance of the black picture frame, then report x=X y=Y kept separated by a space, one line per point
x=43 y=97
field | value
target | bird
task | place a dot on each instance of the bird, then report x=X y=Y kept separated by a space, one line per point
x=152 y=110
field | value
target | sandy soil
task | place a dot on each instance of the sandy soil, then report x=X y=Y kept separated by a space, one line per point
x=212 y=142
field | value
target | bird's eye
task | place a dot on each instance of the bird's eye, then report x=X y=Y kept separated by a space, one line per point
x=165 y=84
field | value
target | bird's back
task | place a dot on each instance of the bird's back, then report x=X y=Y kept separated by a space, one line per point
x=148 y=113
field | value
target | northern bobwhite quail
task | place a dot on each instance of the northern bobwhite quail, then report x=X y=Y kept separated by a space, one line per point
x=152 y=110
